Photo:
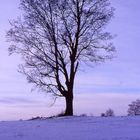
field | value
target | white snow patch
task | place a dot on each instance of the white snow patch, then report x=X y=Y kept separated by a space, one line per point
x=72 y=128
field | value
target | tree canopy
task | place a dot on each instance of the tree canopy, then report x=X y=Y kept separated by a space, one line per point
x=134 y=108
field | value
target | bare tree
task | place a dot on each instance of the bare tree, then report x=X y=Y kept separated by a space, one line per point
x=134 y=108
x=54 y=37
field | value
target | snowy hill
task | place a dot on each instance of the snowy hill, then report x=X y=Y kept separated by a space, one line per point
x=73 y=128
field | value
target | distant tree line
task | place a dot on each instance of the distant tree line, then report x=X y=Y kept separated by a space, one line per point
x=133 y=110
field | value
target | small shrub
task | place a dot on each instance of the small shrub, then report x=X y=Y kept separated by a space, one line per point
x=102 y=114
x=36 y=118
x=109 y=113
x=83 y=115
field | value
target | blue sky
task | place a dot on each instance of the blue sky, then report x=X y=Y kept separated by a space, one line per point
x=98 y=88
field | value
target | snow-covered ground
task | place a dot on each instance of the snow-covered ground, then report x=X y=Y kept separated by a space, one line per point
x=73 y=128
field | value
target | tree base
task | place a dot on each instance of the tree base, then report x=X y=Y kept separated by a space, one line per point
x=69 y=106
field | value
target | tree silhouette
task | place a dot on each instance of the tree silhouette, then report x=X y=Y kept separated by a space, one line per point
x=134 y=108
x=54 y=37
x=109 y=112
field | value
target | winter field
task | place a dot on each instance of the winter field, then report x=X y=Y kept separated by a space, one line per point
x=72 y=128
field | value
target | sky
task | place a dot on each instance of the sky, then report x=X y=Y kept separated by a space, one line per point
x=113 y=84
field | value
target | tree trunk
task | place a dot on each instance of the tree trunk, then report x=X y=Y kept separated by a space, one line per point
x=69 y=105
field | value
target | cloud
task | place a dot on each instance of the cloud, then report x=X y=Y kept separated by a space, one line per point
x=17 y=100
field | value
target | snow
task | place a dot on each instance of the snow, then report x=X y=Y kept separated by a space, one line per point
x=72 y=128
